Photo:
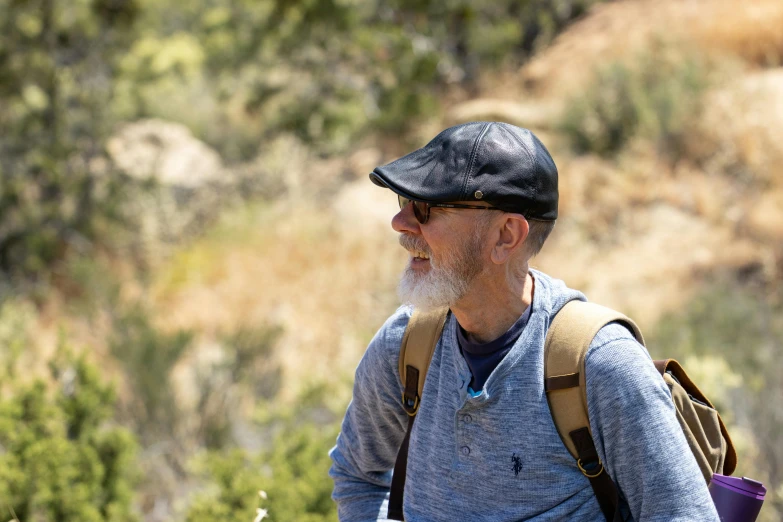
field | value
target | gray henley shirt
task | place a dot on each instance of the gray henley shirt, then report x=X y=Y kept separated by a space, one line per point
x=498 y=456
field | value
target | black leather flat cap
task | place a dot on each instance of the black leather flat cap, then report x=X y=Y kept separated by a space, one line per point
x=506 y=166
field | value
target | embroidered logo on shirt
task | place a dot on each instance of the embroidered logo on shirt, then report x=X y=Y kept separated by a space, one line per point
x=517 y=464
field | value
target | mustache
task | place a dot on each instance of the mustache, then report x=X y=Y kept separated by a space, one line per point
x=409 y=242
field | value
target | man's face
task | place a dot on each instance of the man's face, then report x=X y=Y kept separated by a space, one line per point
x=446 y=256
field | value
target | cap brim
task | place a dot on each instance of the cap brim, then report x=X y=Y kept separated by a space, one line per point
x=380 y=180
x=375 y=178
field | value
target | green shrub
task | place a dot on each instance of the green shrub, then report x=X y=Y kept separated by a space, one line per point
x=62 y=460
x=293 y=474
x=657 y=96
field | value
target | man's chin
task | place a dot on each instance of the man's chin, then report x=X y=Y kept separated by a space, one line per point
x=424 y=292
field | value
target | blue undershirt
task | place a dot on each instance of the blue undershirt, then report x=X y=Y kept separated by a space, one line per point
x=483 y=358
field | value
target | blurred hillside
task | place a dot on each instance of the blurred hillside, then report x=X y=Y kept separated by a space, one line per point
x=193 y=259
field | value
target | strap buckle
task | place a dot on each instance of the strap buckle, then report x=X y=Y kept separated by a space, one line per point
x=411 y=410
x=587 y=473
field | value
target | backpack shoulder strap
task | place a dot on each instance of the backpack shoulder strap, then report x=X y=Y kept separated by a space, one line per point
x=418 y=344
x=567 y=341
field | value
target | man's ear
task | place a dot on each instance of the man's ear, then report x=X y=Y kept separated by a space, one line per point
x=512 y=235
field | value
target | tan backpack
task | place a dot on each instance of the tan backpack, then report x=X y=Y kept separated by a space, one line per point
x=566 y=345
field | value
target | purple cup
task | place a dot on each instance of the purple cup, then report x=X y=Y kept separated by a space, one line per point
x=737 y=499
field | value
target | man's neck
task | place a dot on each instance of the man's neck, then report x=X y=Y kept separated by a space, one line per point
x=489 y=310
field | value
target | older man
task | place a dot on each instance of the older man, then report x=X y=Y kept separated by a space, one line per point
x=476 y=204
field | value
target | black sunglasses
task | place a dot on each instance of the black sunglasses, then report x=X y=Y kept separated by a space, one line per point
x=421 y=209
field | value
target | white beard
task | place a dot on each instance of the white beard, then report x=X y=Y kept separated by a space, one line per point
x=435 y=289
x=447 y=280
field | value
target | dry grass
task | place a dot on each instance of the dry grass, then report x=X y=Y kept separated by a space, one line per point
x=635 y=238
x=749 y=31
x=326 y=275
x=648 y=264
x=742 y=129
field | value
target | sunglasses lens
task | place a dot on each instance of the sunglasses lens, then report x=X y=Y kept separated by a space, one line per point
x=419 y=208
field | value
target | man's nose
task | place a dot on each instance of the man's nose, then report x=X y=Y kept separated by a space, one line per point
x=405 y=221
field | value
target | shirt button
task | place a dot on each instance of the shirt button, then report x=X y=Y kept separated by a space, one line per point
x=465 y=450
x=467 y=419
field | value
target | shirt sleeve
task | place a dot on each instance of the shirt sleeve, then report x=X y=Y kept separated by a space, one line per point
x=637 y=435
x=372 y=430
